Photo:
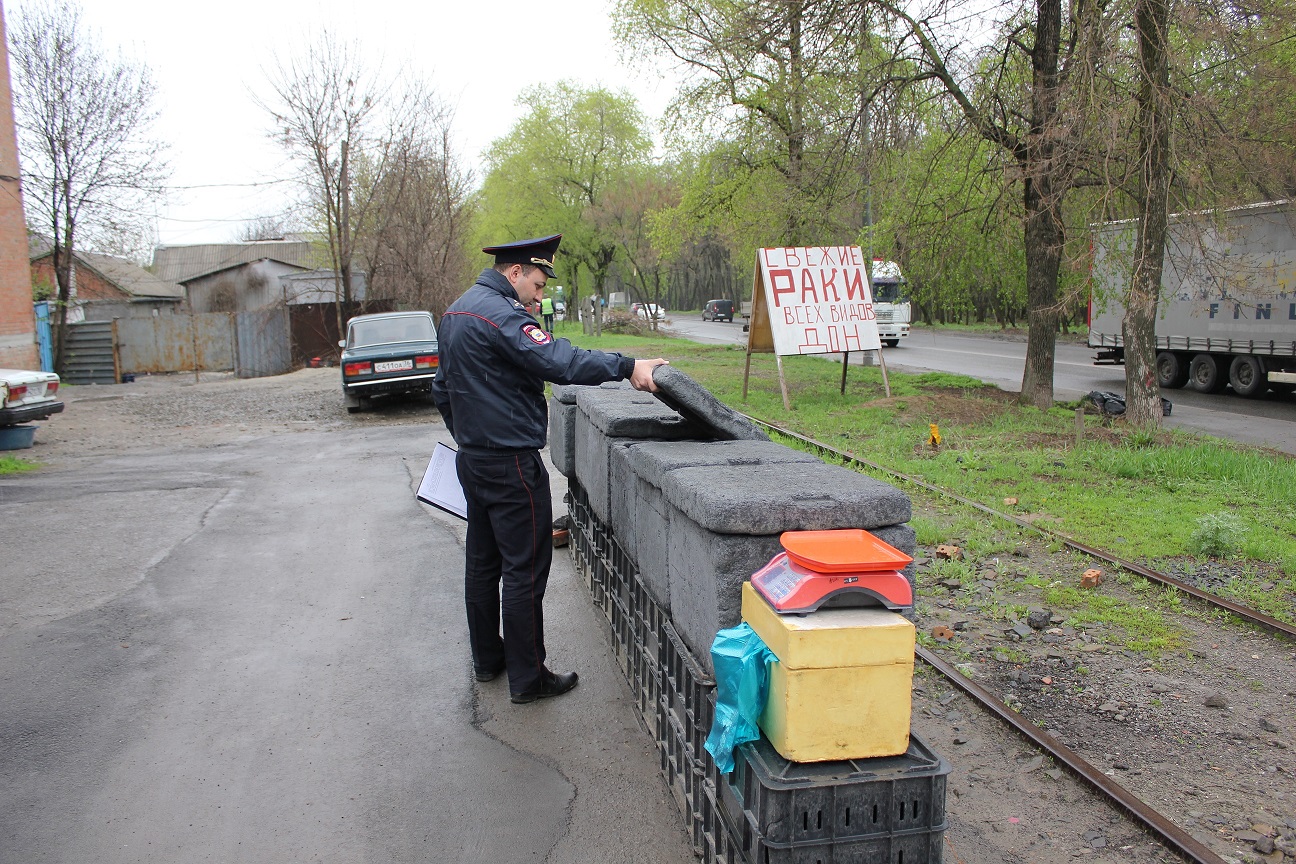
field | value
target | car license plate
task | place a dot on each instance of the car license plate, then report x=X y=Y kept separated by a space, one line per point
x=393 y=365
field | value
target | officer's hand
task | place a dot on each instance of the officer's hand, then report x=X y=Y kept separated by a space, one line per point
x=641 y=378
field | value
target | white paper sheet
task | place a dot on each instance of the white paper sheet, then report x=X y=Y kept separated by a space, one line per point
x=440 y=486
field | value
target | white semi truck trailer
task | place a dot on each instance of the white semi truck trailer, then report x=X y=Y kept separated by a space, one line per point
x=1228 y=299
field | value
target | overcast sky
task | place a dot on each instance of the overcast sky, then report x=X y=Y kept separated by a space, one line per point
x=209 y=61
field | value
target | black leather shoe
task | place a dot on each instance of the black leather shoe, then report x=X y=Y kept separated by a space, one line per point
x=554 y=685
x=484 y=675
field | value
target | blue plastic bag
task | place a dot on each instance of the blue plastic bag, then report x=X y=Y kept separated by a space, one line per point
x=741 y=663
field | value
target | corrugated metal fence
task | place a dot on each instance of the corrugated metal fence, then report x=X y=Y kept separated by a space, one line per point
x=250 y=344
x=176 y=343
x=263 y=343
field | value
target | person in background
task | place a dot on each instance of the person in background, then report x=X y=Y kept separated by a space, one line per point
x=489 y=388
x=547 y=312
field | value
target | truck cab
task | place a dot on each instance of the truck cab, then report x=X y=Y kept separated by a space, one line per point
x=890 y=302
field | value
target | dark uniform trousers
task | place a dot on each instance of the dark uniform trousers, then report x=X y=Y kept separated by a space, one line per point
x=509 y=546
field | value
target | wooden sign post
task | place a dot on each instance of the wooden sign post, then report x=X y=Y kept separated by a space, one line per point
x=811 y=300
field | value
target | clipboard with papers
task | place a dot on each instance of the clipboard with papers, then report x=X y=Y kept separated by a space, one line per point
x=440 y=485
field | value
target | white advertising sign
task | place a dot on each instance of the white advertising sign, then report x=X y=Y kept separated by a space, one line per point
x=818 y=300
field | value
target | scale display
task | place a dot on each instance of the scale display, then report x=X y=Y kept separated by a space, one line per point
x=792 y=588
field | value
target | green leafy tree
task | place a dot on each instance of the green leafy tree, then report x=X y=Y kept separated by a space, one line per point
x=640 y=198
x=944 y=217
x=1201 y=114
x=780 y=97
x=555 y=170
x=1029 y=94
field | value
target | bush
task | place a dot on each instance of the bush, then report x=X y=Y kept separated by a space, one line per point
x=1218 y=534
x=621 y=321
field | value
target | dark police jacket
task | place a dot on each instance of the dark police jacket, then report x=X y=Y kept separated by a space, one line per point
x=494 y=360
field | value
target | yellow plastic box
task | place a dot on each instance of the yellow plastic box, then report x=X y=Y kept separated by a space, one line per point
x=841 y=686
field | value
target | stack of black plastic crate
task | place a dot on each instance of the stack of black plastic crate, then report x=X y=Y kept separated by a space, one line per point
x=767 y=810
x=675 y=698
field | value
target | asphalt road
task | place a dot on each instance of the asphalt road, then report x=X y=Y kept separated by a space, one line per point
x=1269 y=422
x=257 y=653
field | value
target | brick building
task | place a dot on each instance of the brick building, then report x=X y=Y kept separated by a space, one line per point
x=17 y=323
x=108 y=287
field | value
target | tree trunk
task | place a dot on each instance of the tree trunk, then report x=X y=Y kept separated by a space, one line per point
x=1044 y=230
x=1142 y=393
x=1043 y=256
x=63 y=274
x=796 y=135
x=344 y=224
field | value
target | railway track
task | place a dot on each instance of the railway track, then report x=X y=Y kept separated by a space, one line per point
x=1173 y=837
x=1243 y=612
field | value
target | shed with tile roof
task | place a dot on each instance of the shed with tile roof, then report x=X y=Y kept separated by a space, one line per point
x=109 y=287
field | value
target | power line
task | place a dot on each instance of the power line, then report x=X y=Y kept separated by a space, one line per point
x=232 y=185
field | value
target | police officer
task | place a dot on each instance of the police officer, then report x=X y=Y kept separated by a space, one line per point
x=494 y=360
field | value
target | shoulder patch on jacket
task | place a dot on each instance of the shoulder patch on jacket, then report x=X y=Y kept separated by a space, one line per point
x=536 y=335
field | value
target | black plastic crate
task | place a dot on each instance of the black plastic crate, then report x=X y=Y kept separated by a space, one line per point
x=855 y=807
x=622 y=637
x=910 y=847
x=723 y=845
x=648 y=617
x=623 y=571
x=684 y=775
x=688 y=693
x=648 y=693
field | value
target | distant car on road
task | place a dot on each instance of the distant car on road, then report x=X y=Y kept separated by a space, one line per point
x=718 y=310
x=386 y=354
x=27 y=396
x=648 y=310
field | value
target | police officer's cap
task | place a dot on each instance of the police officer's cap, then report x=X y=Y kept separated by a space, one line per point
x=539 y=251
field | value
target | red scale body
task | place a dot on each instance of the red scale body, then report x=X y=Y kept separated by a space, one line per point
x=825 y=569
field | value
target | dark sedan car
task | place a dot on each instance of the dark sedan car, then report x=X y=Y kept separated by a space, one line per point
x=718 y=310
x=385 y=354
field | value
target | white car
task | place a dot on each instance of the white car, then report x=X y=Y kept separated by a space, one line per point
x=26 y=396
x=649 y=311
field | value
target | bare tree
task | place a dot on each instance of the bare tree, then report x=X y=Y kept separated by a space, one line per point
x=415 y=251
x=263 y=228
x=336 y=114
x=88 y=160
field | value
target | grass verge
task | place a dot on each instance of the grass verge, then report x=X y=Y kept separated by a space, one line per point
x=14 y=465
x=1144 y=497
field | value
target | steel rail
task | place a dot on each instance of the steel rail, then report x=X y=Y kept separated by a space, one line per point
x=1244 y=612
x=1179 y=841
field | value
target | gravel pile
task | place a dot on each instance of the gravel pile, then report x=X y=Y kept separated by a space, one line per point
x=218 y=409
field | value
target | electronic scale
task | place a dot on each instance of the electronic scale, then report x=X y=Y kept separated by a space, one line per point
x=828 y=569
